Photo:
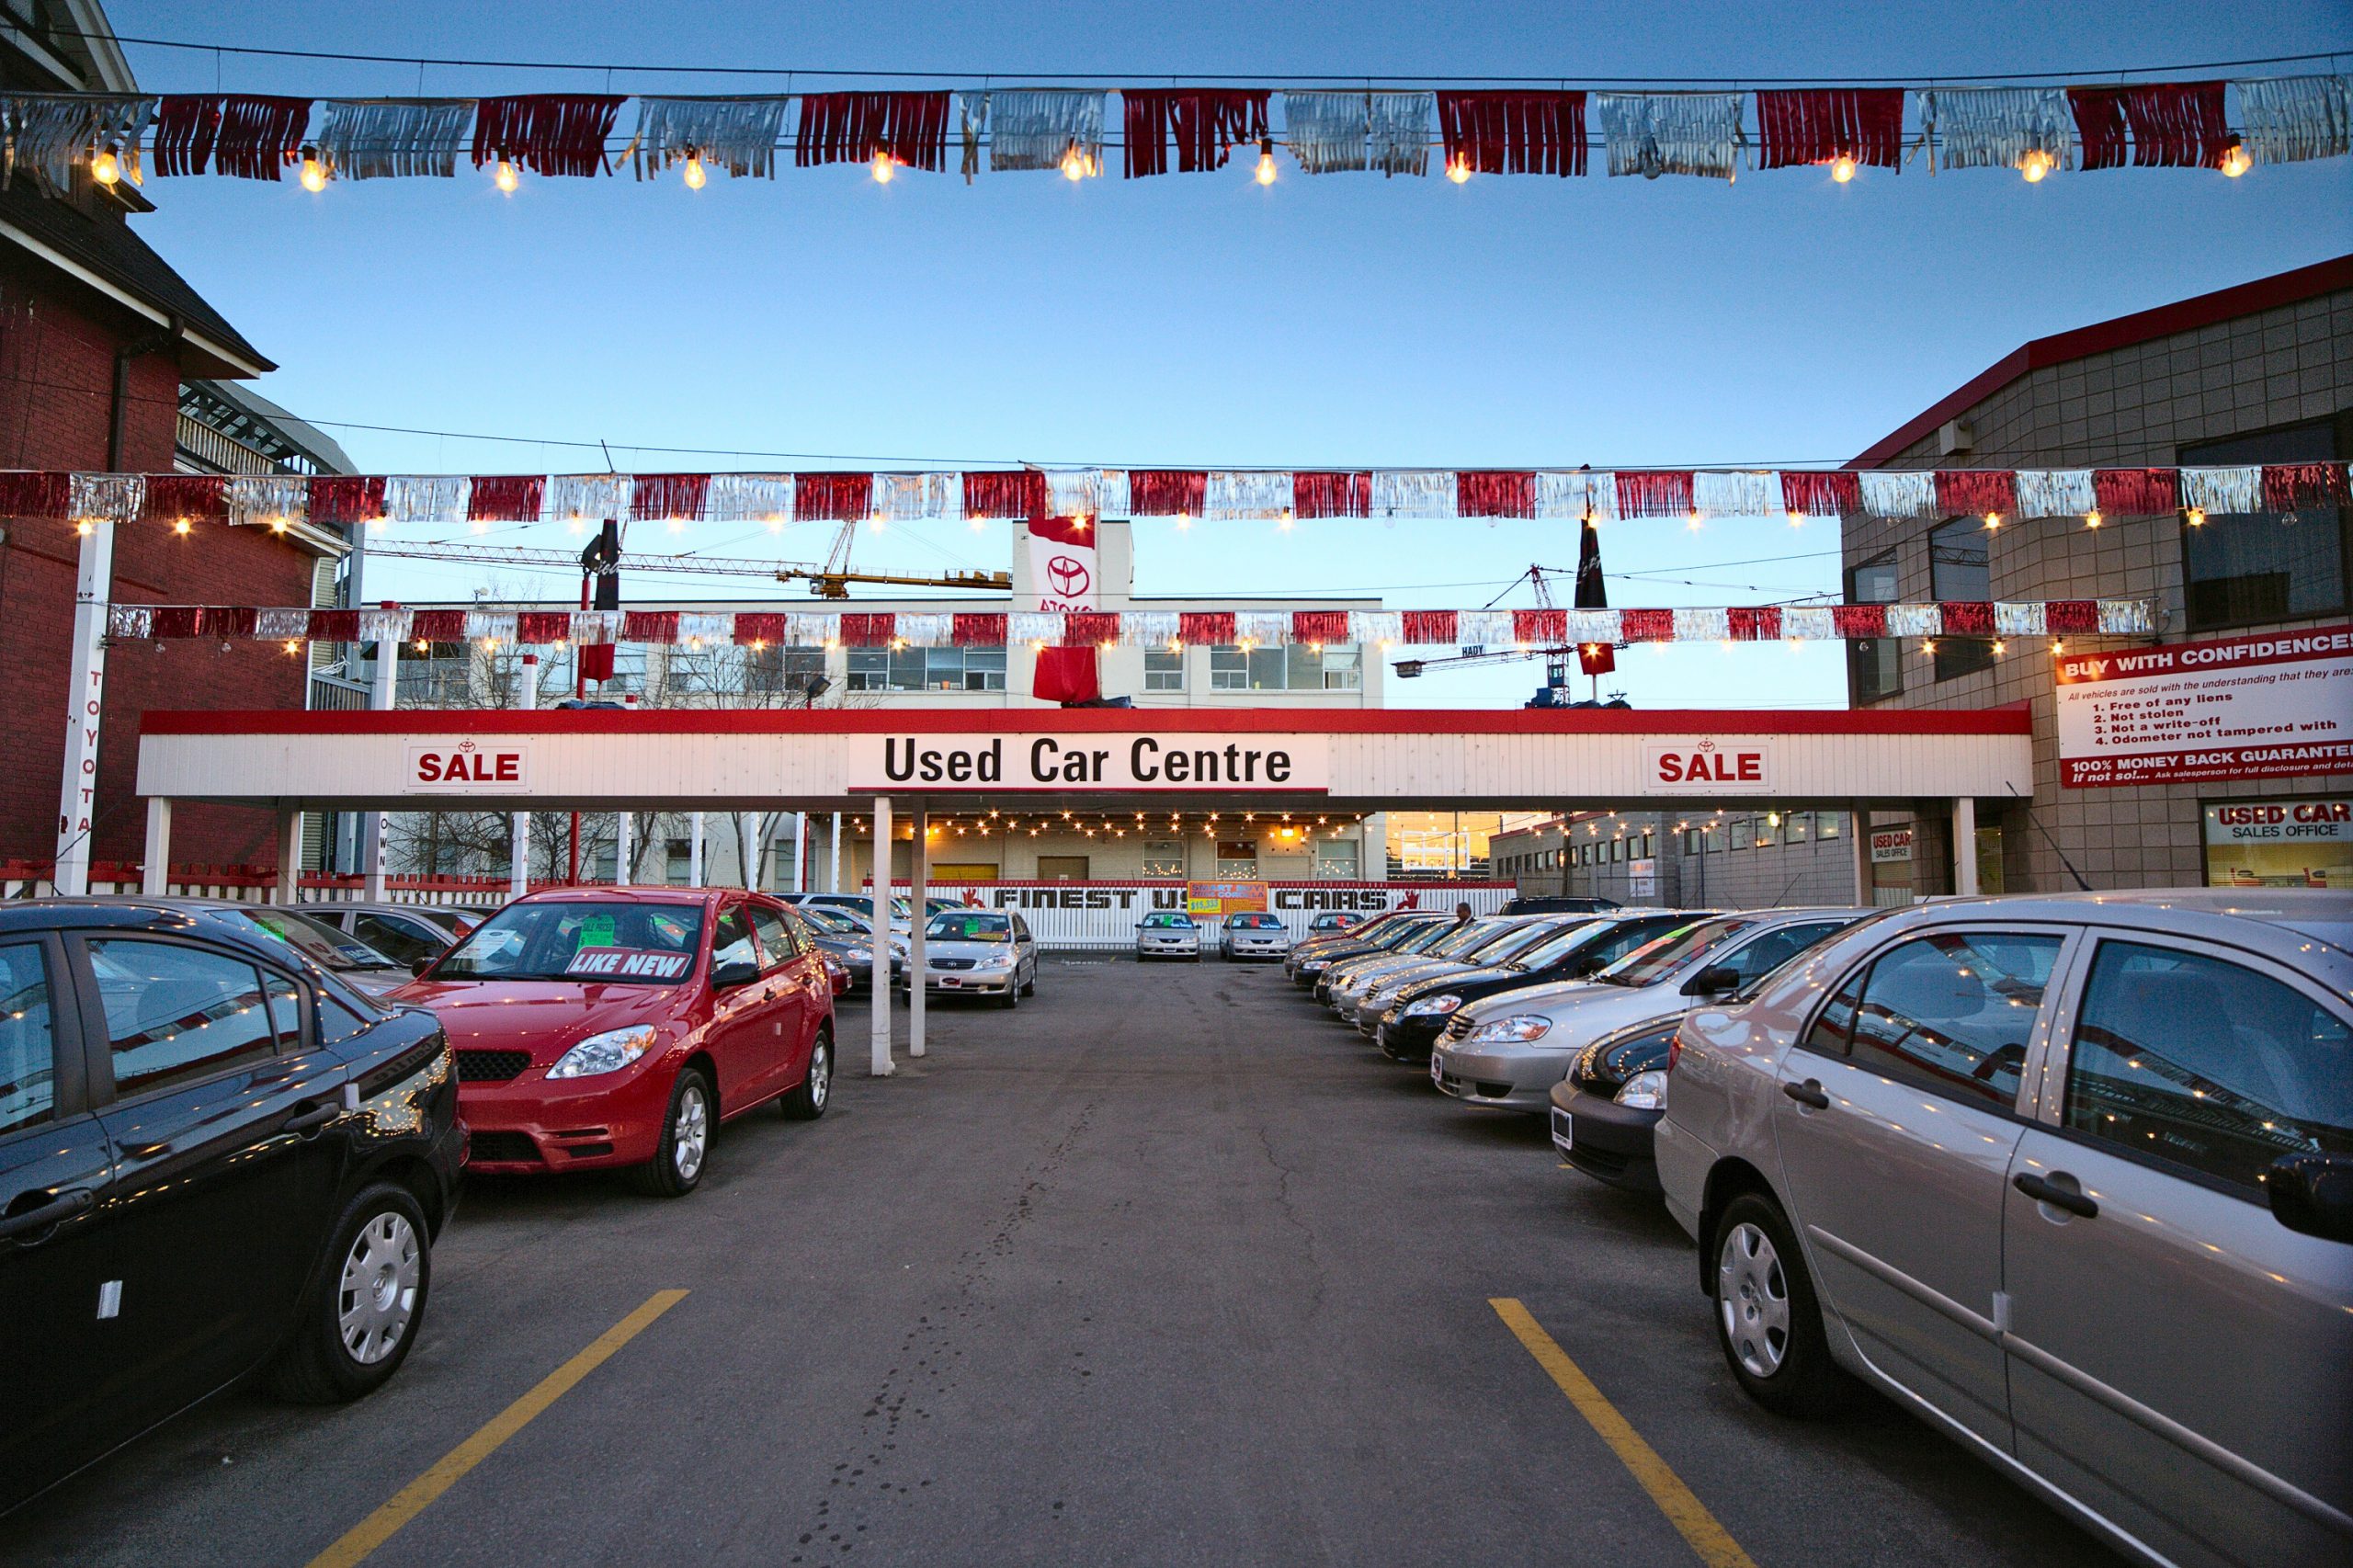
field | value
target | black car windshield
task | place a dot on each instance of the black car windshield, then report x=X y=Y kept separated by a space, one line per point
x=965 y=926
x=646 y=944
x=1252 y=922
x=315 y=940
x=1509 y=943
x=1163 y=920
x=1428 y=937
x=1558 y=943
x=1467 y=937
x=1653 y=961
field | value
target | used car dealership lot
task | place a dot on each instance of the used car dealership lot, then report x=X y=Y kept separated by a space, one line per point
x=1165 y=1266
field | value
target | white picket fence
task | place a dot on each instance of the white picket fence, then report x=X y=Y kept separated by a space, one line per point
x=1082 y=916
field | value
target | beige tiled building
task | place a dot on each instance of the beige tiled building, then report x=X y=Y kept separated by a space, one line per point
x=2260 y=373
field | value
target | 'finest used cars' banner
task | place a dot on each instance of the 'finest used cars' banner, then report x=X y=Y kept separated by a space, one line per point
x=2265 y=707
x=1181 y=760
x=1105 y=914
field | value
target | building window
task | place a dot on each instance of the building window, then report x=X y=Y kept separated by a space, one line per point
x=2256 y=566
x=1336 y=859
x=1827 y=824
x=1293 y=667
x=926 y=669
x=1163 y=669
x=782 y=669
x=1237 y=858
x=1873 y=664
x=1164 y=858
x=1961 y=567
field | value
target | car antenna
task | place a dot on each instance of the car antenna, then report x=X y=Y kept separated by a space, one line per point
x=2081 y=885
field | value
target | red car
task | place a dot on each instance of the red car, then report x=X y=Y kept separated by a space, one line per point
x=621 y=1025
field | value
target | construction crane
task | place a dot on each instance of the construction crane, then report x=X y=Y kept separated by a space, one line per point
x=1556 y=658
x=832 y=580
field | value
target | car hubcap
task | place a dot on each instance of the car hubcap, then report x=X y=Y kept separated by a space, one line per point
x=694 y=1133
x=377 y=1298
x=821 y=1073
x=1753 y=1300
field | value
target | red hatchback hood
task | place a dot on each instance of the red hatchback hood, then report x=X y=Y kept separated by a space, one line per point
x=545 y=1018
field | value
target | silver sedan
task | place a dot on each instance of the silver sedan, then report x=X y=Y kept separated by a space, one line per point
x=1169 y=933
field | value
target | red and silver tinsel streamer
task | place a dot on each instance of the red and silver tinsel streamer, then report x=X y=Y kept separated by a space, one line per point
x=908 y=129
x=393 y=137
x=832 y=497
x=1977 y=491
x=1411 y=493
x=2292 y=118
x=344 y=499
x=246 y=136
x=1653 y=492
x=738 y=134
x=1319 y=626
x=1829 y=494
x=2173 y=124
x=1513 y=132
x=55 y=132
x=1331 y=132
x=657 y=496
x=1998 y=127
x=506 y=498
x=1492 y=493
x=1821 y=125
x=1166 y=492
x=1005 y=492
x=2296 y=487
x=1672 y=133
x=1205 y=124
x=1331 y=495
x=750 y=498
x=548 y=133
x=2136 y=492
x=1042 y=128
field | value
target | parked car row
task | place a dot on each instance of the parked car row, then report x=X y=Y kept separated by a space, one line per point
x=2069 y=1177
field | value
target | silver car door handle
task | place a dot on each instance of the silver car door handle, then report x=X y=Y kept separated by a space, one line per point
x=2057 y=1197
x=1808 y=1094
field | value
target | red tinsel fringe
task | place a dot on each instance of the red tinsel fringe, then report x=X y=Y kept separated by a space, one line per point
x=979 y=629
x=2174 y=124
x=2136 y=492
x=230 y=621
x=1347 y=494
x=334 y=626
x=1654 y=494
x=2292 y=487
x=1006 y=493
x=2068 y=616
x=1974 y=492
x=1646 y=625
x=832 y=497
x=1434 y=628
x=200 y=497
x=658 y=495
x=1492 y=493
x=1544 y=628
x=1213 y=627
x=1086 y=629
x=507 y=497
x=1166 y=492
x=245 y=135
x=1760 y=623
x=549 y=133
x=1968 y=618
x=856 y=128
x=1820 y=125
x=758 y=627
x=434 y=626
x=1514 y=133
x=1319 y=626
x=1206 y=123
x=1821 y=494
x=542 y=625
x=868 y=631
x=650 y=626
x=347 y=498
x=38 y=493
x=1859 y=620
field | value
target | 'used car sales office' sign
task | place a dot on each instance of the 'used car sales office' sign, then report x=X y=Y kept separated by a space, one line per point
x=1179 y=760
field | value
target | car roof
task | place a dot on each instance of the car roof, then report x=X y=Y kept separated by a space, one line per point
x=2323 y=915
x=627 y=895
x=210 y=918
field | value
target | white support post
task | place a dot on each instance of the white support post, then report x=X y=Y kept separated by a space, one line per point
x=624 y=846
x=290 y=856
x=694 y=849
x=1860 y=830
x=1964 y=846
x=918 y=869
x=879 y=1065
x=747 y=847
x=519 y=852
x=833 y=877
x=800 y=852
x=77 y=791
x=372 y=824
x=156 y=870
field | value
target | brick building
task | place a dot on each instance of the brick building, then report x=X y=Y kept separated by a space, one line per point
x=2257 y=374
x=99 y=340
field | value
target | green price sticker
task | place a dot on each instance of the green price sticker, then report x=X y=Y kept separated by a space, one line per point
x=597 y=931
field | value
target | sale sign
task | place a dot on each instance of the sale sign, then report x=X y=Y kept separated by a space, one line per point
x=2269 y=706
x=627 y=963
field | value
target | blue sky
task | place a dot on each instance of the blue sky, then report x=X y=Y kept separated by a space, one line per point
x=1201 y=319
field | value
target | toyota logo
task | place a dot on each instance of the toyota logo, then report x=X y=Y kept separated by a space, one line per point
x=1069 y=576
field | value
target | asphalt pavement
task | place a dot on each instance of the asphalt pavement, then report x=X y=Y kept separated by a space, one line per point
x=1164 y=1267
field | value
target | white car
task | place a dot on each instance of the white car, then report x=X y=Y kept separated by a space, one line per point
x=2071 y=1179
x=1169 y=933
x=1254 y=934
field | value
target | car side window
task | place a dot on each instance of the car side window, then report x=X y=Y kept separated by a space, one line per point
x=394 y=937
x=1020 y=929
x=1953 y=1012
x=27 y=1039
x=1760 y=957
x=175 y=1013
x=1836 y=1023
x=338 y=1022
x=775 y=937
x=730 y=939
x=285 y=1007
x=2203 y=1063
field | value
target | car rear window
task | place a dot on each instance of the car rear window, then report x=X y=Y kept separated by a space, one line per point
x=315 y=940
x=540 y=941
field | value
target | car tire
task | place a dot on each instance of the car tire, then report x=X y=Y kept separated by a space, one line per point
x=1768 y=1321
x=808 y=1099
x=1030 y=987
x=1012 y=997
x=356 y=1323
x=683 y=1152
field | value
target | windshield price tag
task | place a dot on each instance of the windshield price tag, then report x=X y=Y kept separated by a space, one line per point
x=627 y=963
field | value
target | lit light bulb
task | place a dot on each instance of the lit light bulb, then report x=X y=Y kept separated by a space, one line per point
x=293 y=645
x=106 y=166
x=2237 y=160
x=1457 y=170
x=1694 y=520
x=1184 y=522
x=694 y=175
x=2000 y=647
x=1287 y=520
x=1842 y=168
x=505 y=178
x=1266 y=172
x=2091 y=518
x=2057 y=647
x=2196 y=517
x=1797 y=519
x=1993 y=519
x=1927 y=646
x=180 y=527
x=2034 y=166
x=678 y=525
x=315 y=172
x=884 y=167
x=875 y=522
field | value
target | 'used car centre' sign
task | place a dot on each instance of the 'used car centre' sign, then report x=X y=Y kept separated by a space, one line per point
x=1183 y=760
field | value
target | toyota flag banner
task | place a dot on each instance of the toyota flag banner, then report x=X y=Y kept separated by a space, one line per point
x=1062 y=570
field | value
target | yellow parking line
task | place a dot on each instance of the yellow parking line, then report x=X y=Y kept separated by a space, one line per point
x=417 y=1495
x=1684 y=1511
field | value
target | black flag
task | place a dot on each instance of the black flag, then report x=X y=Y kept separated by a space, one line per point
x=602 y=560
x=1593 y=658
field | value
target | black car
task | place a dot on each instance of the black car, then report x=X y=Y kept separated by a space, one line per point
x=1418 y=1015
x=1553 y=904
x=216 y=1157
x=1603 y=1112
x=1308 y=966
